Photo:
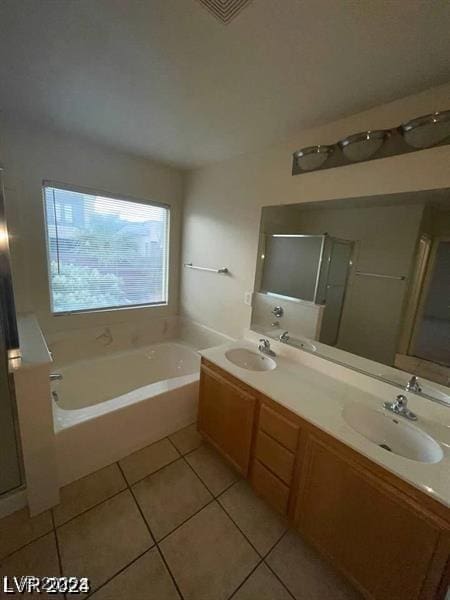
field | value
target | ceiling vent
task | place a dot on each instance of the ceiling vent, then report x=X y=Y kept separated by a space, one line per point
x=225 y=10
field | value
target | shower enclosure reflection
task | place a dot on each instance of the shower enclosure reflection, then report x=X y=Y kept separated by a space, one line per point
x=365 y=280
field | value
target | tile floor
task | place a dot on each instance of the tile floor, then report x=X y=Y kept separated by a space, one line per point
x=170 y=521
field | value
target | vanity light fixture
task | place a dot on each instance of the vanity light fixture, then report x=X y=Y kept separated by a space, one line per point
x=417 y=134
x=363 y=145
x=426 y=131
x=312 y=157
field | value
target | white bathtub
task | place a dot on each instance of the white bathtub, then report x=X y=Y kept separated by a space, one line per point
x=109 y=406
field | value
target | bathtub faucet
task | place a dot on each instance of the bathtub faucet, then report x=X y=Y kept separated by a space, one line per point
x=55 y=376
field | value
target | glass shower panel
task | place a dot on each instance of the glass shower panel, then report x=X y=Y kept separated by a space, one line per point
x=10 y=475
x=340 y=256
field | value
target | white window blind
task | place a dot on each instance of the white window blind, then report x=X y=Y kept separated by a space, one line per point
x=104 y=252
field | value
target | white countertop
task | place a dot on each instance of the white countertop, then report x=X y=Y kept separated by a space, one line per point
x=317 y=391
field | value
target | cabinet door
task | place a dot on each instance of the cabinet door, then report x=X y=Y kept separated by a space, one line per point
x=375 y=534
x=225 y=418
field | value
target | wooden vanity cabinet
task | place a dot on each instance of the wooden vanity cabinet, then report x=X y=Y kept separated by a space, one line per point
x=384 y=540
x=391 y=540
x=275 y=455
x=226 y=415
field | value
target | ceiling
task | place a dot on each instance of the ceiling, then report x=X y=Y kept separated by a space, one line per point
x=167 y=80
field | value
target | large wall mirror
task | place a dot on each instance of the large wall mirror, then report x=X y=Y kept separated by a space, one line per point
x=364 y=282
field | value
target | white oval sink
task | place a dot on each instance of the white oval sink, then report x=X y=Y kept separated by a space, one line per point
x=393 y=433
x=246 y=359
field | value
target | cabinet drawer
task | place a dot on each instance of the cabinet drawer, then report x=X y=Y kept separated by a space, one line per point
x=269 y=487
x=278 y=427
x=274 y=456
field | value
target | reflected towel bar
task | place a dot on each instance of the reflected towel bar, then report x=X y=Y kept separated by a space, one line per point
x=191 y=266
x=399 y=277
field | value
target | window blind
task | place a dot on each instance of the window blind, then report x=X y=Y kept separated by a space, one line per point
x=104 y=252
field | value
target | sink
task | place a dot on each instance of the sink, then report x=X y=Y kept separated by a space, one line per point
x=252 y=361
x=393 y=433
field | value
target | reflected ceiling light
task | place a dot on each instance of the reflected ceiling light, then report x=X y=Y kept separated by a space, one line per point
x=3 y=238
x=427 y=131
x=312 y=157
x=363 y=145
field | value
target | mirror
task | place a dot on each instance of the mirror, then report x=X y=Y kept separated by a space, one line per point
x=364 y=282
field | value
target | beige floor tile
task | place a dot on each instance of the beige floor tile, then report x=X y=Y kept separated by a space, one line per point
x=103 y=540
x=87 y=492
x=39 y=559
x=262 y=585
x=262 y=526
x=170 y=496
x=208 y=555
x=19 y=529
x=146 y=579
x=212 y=469
x=148 y=460
x=306 y=575
x=187 y=439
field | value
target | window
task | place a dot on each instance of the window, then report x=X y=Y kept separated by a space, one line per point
x=104 y=252
x=68 y=213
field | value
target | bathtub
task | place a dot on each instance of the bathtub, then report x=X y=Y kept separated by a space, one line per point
x=109 y=406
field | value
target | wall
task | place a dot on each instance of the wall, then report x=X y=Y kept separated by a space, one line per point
x=29 y=155
x=223 y=202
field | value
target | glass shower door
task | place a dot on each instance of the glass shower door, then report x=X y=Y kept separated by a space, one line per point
x=10 y=473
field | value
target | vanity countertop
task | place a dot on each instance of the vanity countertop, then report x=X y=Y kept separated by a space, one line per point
x=317 y=391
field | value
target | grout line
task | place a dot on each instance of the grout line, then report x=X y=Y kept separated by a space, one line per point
x=273 y=571
x=149 y=474
x=185 y=521
x=260 y=562
x=94 y=591
x=215 y=496
x=128 y=486
x=58 y=551
x=280 y=580
x=172 y=444
x=240 y=530
x=198 y=476
x=277 y=542
x=153 y=538
x=139 y=509
x=153 y=472
x=90 y=508
x=263 y=557
x=57 y=543
x=7 y=556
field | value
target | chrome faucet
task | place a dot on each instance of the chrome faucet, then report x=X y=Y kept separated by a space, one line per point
x=413 y=385
x=400 y=407
x=265 y=348
x=55 y=376
x=277 y=311
x=284 y=337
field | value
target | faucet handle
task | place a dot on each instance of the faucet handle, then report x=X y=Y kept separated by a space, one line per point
x=401 y=401
x=265 y=342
